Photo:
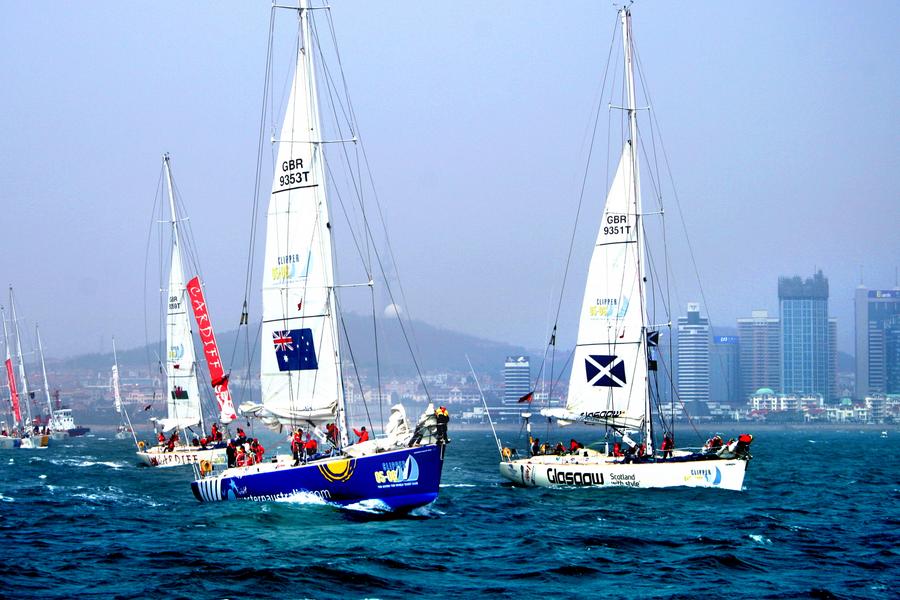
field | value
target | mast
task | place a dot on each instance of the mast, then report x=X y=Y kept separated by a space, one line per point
x=319 y=158
x=44 y=371
x=625 y=14
x=118 y=395
x=179 y=338
x=25 y=393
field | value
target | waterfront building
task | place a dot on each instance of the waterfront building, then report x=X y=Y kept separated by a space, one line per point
x=724 y=367
x=692 y=357
x=807 y=364
x=516 y=378
x=877 y=341
x=760 y=353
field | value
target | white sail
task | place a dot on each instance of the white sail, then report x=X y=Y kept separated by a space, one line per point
x=300 y=362
x=608 y=382
x=183 y=394
x=117 y=395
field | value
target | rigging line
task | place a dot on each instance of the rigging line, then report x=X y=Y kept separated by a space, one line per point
x=254 y=209
x=153 y=227
x=355 y=372
x=581 y=193
x=678 y=206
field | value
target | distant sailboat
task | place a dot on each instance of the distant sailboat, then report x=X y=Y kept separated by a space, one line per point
x=183 y=406
x=610 y=377
x=301 y=378
x=30 y=435
x=57 y=426
x=124 y=430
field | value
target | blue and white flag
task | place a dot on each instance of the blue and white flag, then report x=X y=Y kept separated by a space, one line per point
x=604 y=370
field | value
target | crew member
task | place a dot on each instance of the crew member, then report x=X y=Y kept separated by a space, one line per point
x=443 y=417
x=362 y=434
x=297 y=445
x=667 y=445
x=535 y=446
x=310 y=448
x=230 y=452
x=574 y=446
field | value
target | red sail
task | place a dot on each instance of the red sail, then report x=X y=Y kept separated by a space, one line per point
x=211 y=350
x=13 y=392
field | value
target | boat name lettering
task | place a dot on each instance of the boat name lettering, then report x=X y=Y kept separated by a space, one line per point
x=576 y=478
x=622 y=476
x=604 y=414
x=291 y=164
x=288 y=259
x=323 y=494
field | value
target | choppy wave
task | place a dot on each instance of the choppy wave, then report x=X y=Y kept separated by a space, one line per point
x=811 y=524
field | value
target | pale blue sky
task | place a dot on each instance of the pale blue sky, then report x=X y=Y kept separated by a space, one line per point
x=780 y=119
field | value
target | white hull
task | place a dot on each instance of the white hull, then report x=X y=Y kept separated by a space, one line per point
x=35 y=442
x=7 y=443
x=184 y=455
x=602 y=471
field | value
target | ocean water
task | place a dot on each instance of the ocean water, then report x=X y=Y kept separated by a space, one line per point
x=819 y=518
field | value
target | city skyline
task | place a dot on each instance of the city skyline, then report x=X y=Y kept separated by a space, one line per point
x=752 y=111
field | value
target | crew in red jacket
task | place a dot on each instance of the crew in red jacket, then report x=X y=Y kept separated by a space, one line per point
x=363 y=435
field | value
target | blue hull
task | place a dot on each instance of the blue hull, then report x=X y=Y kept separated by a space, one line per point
x=396 y=481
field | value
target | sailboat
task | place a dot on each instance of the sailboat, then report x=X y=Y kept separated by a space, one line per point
x=183 y=406
x=613 y=360
x=124 y=429
x=57 y=426
x=28 y=434
x=301 y=370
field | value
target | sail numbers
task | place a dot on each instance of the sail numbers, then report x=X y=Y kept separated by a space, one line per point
x=293 y=174
x=616 y=225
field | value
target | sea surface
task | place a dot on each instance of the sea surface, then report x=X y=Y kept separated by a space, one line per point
x=819 y=518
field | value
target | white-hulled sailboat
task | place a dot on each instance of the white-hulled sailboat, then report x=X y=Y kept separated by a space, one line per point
x=183 y=407
x=124 y=430
x=609 y=384
x=30 y=435
x=301 y=378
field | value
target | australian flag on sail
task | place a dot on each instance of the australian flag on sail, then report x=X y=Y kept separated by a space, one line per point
x=604 y=370
x=294 y=350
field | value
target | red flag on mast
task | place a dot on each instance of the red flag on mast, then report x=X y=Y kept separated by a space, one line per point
x=211 y=350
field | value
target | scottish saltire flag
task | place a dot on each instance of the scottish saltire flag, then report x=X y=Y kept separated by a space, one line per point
x=294 y=350
x=604 y=370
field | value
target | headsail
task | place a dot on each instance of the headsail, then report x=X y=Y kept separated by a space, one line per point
x=608 y=383
x=300 y=361
x=183 y=399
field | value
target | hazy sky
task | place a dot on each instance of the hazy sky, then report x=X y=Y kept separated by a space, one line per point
x=780 y=120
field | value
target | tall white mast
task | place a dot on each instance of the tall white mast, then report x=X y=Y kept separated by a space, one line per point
x=319 y=159
x=44 y=371
x=625 y=14
x=25 y=394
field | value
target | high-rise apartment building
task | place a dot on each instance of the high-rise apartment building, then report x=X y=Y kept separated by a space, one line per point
x=877 y=326
x=807 y=362
x=760 y=348
x=516 y=378
x=692 y=356
x=724 y=368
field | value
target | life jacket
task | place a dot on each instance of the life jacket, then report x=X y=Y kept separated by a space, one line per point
x=745 y=438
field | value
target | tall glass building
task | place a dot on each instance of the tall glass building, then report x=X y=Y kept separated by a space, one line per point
x=807 y=363
x=692 y=356
x=877 y=330
x=516 y=378
x=725 y=369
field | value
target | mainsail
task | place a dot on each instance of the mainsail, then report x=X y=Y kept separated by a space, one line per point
x=300 y=361
x=608 y=383
x=183 y=399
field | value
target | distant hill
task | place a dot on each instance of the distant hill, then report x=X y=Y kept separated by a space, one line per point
x=436 y=349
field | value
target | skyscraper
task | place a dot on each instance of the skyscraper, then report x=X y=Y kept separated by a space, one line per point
x=806 y=360
x=760 y=362
x=516 y=378
x=724 y=369
x=692 y=356
x=877 y=325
